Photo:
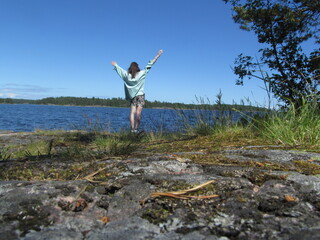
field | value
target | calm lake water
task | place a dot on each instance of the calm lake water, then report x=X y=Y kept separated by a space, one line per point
x=29 y=117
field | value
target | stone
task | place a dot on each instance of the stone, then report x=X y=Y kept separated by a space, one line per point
x=253 y=203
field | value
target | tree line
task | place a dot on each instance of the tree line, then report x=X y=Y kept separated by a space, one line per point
x=120 y=102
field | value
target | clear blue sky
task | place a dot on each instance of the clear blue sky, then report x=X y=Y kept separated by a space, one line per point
x=52 y=48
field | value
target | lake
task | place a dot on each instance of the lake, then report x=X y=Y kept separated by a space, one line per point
x=29 y=117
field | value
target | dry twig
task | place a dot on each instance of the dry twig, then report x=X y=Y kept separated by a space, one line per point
x=182 y=194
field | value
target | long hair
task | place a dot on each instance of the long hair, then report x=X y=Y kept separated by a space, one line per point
x=133 y=69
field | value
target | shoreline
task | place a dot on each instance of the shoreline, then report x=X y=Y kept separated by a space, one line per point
x=160 y=108
x=72 y=105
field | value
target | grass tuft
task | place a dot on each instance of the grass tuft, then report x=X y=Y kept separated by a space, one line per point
x=4 y=154
x=116 y=145
x=294 y=127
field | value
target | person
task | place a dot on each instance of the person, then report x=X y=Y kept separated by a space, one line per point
x=134 y=81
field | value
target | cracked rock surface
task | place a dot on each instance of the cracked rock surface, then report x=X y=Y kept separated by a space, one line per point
x=252 y=202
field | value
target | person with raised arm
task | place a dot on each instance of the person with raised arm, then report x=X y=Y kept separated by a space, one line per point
x=134 y=81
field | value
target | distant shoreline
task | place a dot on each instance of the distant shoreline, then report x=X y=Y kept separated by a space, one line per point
x=122 y=103
x=102 y=106
x=72 y=105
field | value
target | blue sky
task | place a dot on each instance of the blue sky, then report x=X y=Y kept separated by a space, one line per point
x=52 y=48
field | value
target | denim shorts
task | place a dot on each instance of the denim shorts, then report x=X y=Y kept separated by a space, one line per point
x=138 y=101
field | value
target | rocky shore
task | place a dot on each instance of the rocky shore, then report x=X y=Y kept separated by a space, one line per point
x=247 y=192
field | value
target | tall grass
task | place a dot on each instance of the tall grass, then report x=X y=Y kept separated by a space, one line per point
x=296 y=126
x=123 y=143
x=4 y=154
x=207 y=118
x=293 y=127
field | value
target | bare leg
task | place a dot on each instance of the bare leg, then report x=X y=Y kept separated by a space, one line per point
x=138 y=116
x=132 y=116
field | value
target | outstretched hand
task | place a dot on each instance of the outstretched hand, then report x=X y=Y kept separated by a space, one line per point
x=159 y=54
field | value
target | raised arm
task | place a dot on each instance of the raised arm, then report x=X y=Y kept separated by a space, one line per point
x=156 y=57
x=121 y=72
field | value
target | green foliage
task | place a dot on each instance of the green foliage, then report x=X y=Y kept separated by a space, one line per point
x=36 y=150
x=77 y=152
x=282 y=26
x=15 y=101
x=83 y=137
x=117 y=145
x=203 y=129
x=83 y=101
x=4 y=154
x=296 y=126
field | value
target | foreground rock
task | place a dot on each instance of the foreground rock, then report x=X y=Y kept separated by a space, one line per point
x=252 y=202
